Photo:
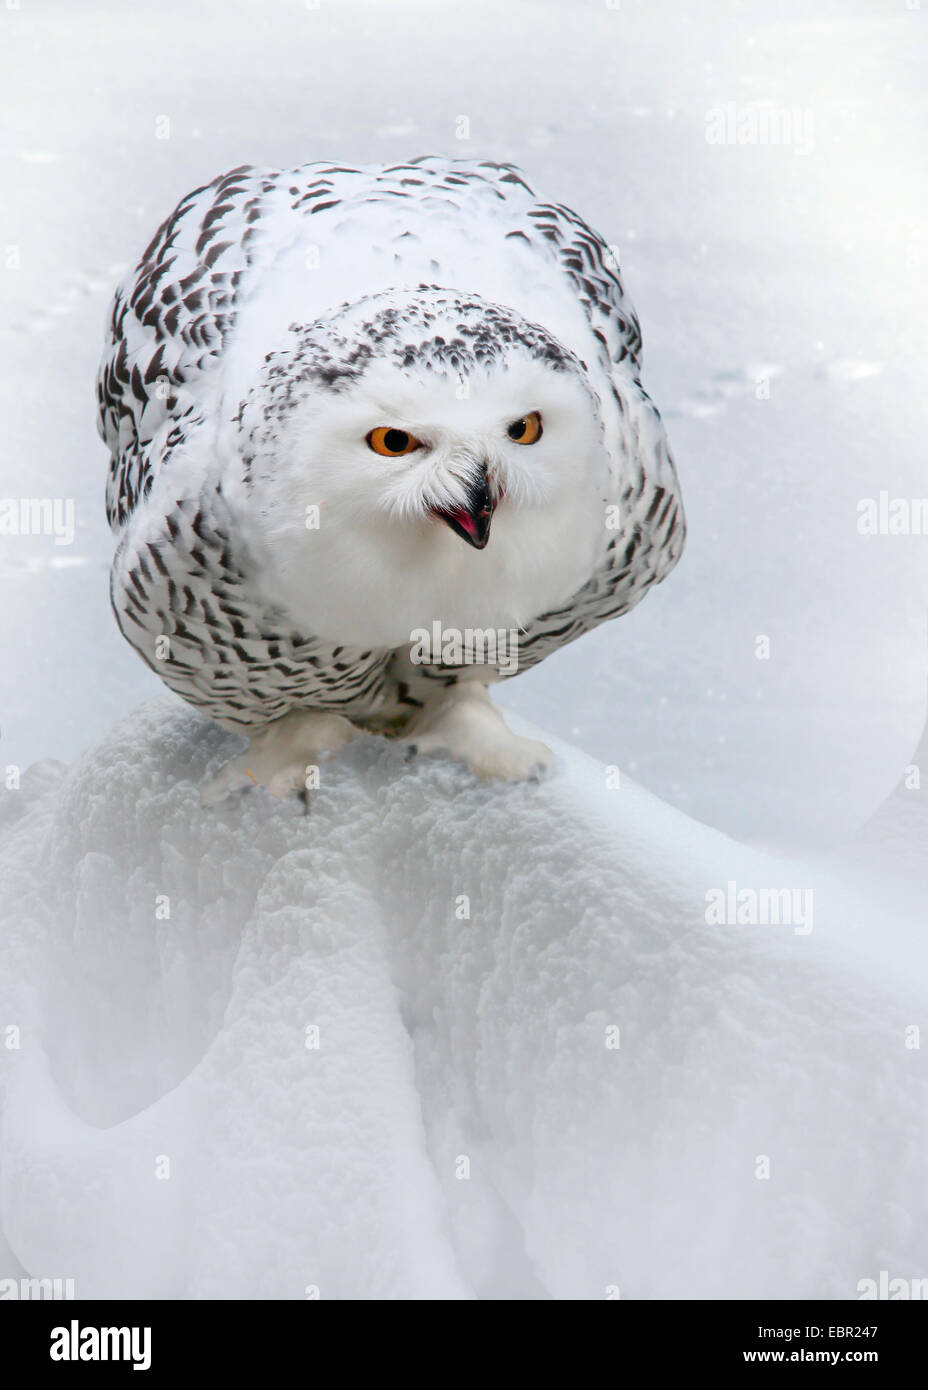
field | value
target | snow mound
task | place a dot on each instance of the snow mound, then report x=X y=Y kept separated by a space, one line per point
x=437 y=1039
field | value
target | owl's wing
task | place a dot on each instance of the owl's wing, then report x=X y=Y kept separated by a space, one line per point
x=166 y=328
x=591 y=266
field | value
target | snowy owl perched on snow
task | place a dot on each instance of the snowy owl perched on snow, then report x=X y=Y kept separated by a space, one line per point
x=350 y=409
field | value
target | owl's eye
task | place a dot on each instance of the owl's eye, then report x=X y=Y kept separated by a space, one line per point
x=392 y=443
x=527 y=430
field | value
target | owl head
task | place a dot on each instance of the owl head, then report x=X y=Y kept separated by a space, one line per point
x=443 y=445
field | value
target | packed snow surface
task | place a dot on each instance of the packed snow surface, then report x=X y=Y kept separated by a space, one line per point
x=439 y=1039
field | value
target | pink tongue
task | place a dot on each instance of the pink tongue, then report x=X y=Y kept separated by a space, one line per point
x=465 y=521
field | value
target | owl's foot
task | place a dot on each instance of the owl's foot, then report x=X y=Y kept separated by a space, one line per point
x=283 y=756
x=464 y=722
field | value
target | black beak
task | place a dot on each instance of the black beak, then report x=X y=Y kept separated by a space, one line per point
x=472 y=519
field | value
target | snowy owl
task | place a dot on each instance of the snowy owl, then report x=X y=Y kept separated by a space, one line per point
x=378 y=440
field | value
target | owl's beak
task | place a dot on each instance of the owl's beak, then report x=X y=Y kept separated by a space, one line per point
x=472 y=520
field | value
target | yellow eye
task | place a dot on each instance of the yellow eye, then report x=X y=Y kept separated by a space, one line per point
x=527 y=430
x=392 y=443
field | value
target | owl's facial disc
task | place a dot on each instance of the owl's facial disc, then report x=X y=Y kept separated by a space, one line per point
x=470 y=515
